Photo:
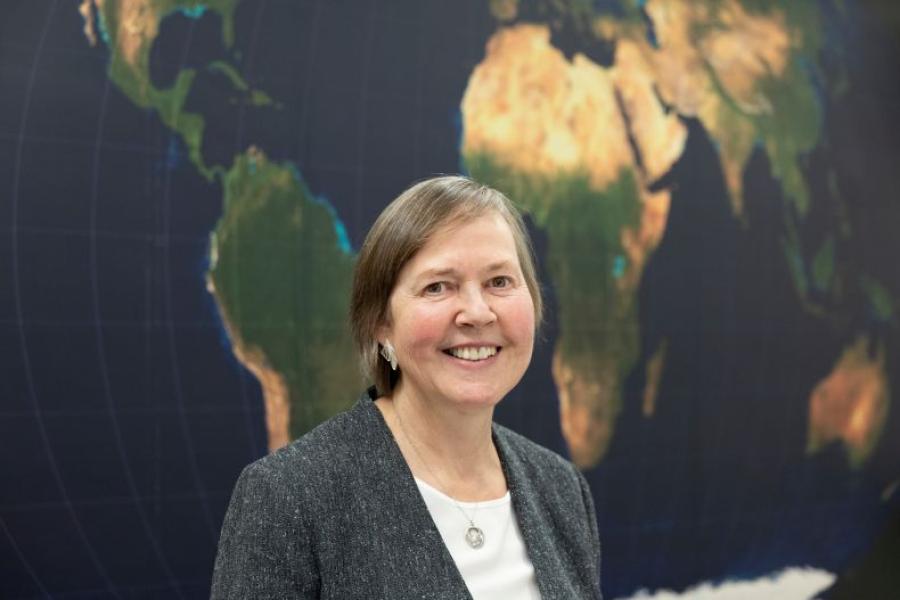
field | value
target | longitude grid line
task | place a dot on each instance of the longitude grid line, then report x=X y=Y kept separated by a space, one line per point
x=755 y=545
x=692 y=412
x=363 y=114
x=149 y=398
x=473 y=57
x=640 y=482
x=307 y=406
x=23 y=342
x=307 y=83
x=663 y=550
x=725 y=396
x=101 y=348
x=735 y=516
x=693 y=464
x=420 y=69
x=173 y=351
x=255 y=450
x=22 y=558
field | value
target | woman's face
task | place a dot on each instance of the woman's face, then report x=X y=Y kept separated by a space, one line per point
x=461 y=316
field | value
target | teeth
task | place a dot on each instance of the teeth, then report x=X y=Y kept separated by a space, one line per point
x=474 y=353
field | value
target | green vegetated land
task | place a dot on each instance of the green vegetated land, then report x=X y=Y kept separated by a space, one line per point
x=282 y=278
x=280 y=271
x=598 y=326
x=129 y=66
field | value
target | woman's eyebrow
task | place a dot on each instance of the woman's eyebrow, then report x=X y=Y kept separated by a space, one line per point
x=498 y=266
x=429 y=273
x=451 y=272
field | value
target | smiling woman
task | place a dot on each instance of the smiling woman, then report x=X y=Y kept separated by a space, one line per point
x=415 y=492
x=461 y=322
x=421 y=213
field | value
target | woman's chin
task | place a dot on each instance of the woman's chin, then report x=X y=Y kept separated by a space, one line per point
x=476 y=398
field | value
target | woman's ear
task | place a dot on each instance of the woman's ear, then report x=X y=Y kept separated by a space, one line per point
x=383 y=331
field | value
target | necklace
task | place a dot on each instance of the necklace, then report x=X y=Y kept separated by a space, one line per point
x=474 y=535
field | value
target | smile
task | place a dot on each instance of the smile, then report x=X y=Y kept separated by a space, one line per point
x=473 y=353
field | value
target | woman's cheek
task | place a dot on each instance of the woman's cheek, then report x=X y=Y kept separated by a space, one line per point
x=519 y=312
x=428 y=326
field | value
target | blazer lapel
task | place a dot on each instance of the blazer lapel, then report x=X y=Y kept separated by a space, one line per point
x=537 y=532
x=415 y=518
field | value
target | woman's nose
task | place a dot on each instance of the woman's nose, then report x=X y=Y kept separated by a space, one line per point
x=474 y=309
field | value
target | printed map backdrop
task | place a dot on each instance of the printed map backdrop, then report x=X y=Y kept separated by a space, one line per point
x=712 y=190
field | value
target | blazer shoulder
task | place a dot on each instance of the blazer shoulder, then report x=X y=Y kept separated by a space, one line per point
x=330 y=449
x=533 y=456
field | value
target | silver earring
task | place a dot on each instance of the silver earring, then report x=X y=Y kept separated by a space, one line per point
x=387 y=351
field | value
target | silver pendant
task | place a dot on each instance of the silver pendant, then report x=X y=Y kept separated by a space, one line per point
x=474 y=537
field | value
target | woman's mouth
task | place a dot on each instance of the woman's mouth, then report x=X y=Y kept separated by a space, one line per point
x=473 y=353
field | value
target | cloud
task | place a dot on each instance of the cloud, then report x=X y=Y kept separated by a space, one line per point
x=797 y=583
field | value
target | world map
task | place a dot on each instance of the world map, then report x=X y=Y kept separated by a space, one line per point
x=709 y=186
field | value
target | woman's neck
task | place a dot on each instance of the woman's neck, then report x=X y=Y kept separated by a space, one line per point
x=448 y=448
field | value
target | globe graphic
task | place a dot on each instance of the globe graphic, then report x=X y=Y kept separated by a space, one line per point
x=710 y=187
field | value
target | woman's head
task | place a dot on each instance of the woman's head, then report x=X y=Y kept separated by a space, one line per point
x=432 y=211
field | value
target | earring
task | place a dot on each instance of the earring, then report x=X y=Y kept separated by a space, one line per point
x=387 y=352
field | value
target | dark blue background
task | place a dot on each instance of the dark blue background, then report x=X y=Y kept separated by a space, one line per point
x=125 y=418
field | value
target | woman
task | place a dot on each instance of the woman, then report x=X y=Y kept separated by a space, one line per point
x=414 y=492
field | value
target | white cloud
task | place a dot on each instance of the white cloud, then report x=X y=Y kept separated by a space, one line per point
x=797 y=583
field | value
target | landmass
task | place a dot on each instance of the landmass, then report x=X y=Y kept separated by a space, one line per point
x=504 y=10
x=745 y=70
x=652 y=378
x=280 y=273
x=253 y=97
x=578 y=146
x=129 y=28
x=582 y=146
x=851 y=404
x=280 y=262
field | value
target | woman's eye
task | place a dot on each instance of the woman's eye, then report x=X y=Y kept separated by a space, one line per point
x=434 y=288
x=501 y=281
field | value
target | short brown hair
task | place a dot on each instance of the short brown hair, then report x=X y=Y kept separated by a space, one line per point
x=399 y=232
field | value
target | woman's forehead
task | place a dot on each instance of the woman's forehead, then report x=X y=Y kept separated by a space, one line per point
x=497 y=266
x=486 y=240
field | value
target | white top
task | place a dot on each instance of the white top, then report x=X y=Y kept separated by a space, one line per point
x=498 y=570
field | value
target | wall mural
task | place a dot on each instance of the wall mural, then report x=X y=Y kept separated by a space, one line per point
x=710 y=185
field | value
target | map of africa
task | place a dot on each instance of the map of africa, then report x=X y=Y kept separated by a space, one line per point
x=713 y=212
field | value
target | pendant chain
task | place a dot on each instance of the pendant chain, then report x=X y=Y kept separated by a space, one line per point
x=474 y=535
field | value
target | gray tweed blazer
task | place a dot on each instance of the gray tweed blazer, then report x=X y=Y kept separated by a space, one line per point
x=337 y=515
